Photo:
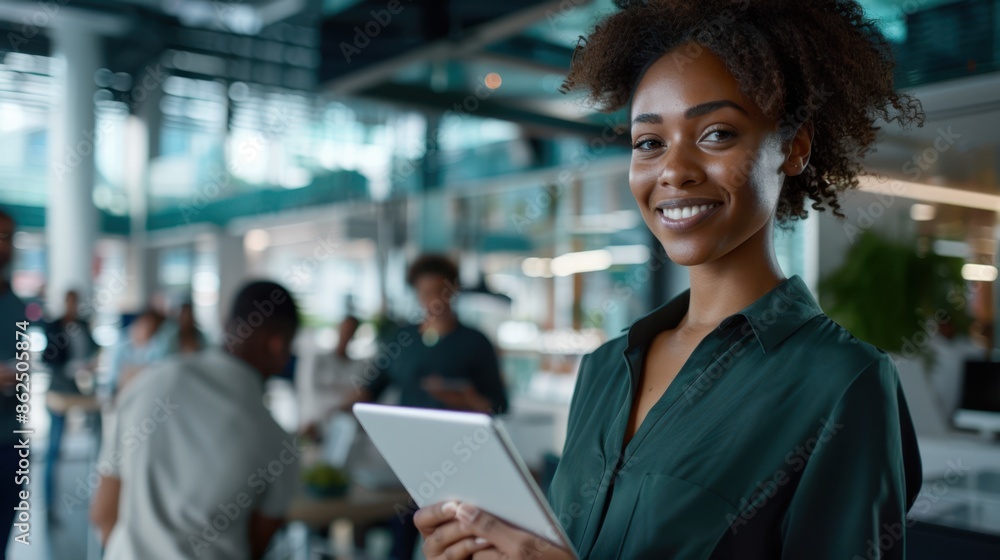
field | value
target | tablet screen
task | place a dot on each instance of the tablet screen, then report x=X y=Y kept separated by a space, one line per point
x=443 y=455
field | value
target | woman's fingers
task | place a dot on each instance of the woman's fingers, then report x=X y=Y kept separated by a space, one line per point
x=428 y=518
x=490 y=553
x=509 y=541
x=454 y=531
x=452 y=541
x=469 y=547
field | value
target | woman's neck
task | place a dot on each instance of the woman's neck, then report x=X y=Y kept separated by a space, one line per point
x=442 y=323
x=727 y=285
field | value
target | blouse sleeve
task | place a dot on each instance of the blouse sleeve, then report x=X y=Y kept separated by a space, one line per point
x=861 y=478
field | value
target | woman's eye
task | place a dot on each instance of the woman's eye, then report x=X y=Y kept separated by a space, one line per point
x=719 y=136
x=647 y=144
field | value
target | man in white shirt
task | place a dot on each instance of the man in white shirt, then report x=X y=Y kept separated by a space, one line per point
x=325 y=381
x=195 y=466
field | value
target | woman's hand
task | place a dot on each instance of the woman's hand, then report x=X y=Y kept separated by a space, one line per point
x=461 y=396
x=504 y=541
x=444 y=537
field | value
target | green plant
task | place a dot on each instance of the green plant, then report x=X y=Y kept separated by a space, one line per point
x=323 y=474
x=887 y=294
x=324 y=480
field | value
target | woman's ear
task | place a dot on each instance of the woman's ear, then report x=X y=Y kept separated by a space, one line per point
x=800 y=148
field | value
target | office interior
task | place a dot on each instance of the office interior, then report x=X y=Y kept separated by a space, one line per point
x=325 y=144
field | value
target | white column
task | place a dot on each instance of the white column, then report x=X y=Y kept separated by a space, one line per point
x=71 y=219
x=141 y=146
x=232 y=270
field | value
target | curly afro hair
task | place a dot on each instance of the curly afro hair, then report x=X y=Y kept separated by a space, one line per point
x=818 y=61
x=432 y=264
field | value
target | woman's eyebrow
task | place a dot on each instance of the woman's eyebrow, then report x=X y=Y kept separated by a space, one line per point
x=706 y=108
x=696 y=111
x=649 y=118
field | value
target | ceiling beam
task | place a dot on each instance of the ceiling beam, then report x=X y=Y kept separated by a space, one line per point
x=423 y=99
x=529 y=53
x=55 y=16
x=473 y=40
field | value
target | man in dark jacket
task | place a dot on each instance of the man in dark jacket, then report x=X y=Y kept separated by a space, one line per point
x=11 y=313
x=69 y=348
x=68 y=340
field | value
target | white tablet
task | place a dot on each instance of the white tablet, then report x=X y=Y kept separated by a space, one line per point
x=442 y=455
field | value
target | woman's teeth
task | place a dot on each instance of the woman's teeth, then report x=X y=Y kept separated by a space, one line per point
x=686 y=212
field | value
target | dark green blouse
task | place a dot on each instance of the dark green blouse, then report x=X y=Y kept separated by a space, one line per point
x=782 y=436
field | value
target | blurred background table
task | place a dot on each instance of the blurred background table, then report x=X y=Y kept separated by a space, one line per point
x=360 y=505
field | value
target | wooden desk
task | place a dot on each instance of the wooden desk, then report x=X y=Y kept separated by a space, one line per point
x=360 y=505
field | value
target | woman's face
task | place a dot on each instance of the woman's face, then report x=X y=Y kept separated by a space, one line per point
x=434 y=292
x=707 y=164
x=143 y=329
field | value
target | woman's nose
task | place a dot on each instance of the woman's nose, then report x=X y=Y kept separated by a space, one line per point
x=680 y=168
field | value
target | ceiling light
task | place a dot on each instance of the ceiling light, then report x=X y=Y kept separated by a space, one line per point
x=256 y=240
x=979 y=272
x=922 y=212
x=930 y=193
x=584 y=261
x=537 y=268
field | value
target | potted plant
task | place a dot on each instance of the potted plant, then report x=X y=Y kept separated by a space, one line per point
x=889 y=294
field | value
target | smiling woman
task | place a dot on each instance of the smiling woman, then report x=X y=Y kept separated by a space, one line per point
x=738 y=420
x=723 y=153
x=818 y=62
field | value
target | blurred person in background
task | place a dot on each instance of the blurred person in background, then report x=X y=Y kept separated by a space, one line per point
x=70 y=350
x=139 y=349
x=209 y=448
x=442 y=364
x=324 y=385
x=182 y=334
x=324 y=381
x=12 y=311
x=736 y=421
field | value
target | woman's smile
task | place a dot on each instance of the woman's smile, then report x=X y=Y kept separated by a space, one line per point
x=684 y=214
